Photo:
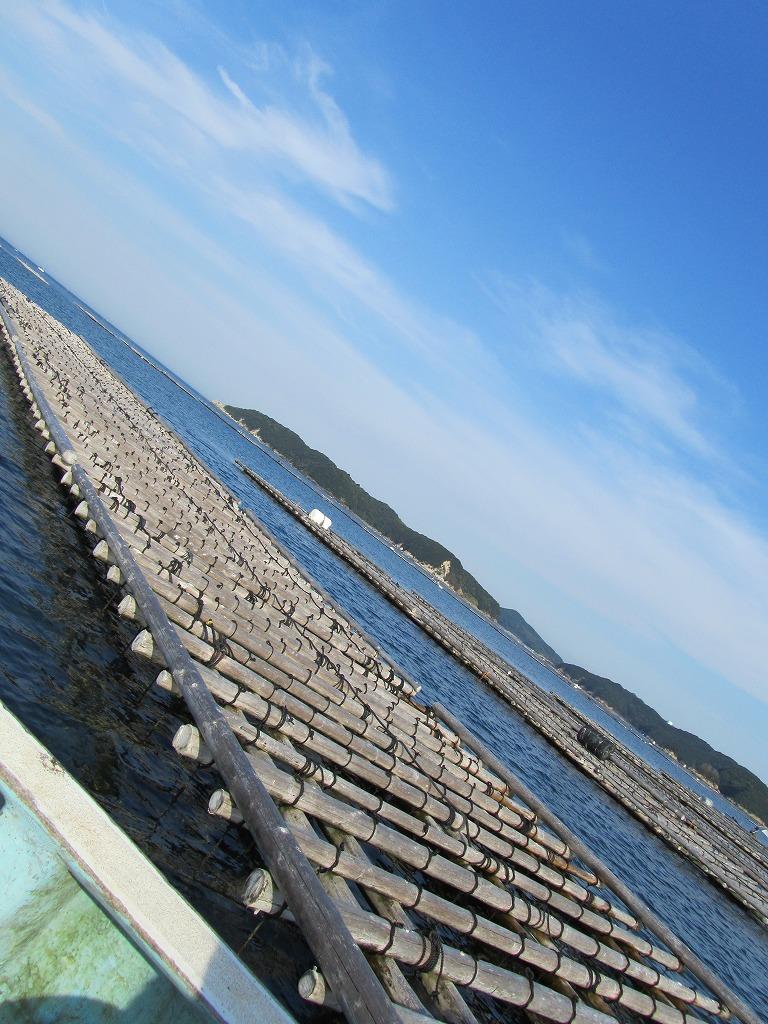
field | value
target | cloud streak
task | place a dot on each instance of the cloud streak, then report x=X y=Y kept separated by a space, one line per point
x=651 y=377
x=132 y=66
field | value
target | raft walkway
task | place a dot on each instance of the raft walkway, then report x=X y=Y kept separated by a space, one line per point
x=714 y=842
x=429 y=883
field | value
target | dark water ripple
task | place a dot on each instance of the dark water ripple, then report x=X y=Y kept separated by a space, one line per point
x=59 y=674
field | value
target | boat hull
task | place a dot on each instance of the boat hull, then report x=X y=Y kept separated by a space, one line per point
x=90 y=931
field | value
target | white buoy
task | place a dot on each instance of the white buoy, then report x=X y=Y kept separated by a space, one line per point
x=221 y=805
x=127 y=607
x=319 y=519
x=166 y=682
x=260 y=893
x=313 y=988
x=114 y=575
x=143 y=644
x=189 y=743
x=101 y=551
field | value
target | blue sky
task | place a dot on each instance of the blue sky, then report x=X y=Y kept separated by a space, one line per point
x=506 y=263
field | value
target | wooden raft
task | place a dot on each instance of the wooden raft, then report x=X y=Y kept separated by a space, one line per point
x=459 y=897
x=717 y=845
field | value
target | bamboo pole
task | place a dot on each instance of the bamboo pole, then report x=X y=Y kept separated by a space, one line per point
x=649 y=917
x=356 y=868
x=410 y=947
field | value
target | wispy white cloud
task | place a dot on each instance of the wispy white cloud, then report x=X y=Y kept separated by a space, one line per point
x=652 y=379
x=234 y=88
x=326 y=258
x=123 y=66
x=16 y=94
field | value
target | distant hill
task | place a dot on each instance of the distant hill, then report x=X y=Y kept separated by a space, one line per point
x=733 y=781
x=514 y=623
x=382 y=517
x=378 y=514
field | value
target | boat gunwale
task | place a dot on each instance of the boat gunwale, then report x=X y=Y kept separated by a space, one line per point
x=127 y=886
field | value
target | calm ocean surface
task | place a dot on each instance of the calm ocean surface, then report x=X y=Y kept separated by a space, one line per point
x=65 y=674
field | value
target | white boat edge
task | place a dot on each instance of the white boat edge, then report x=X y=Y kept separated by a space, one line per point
x=128 y=886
